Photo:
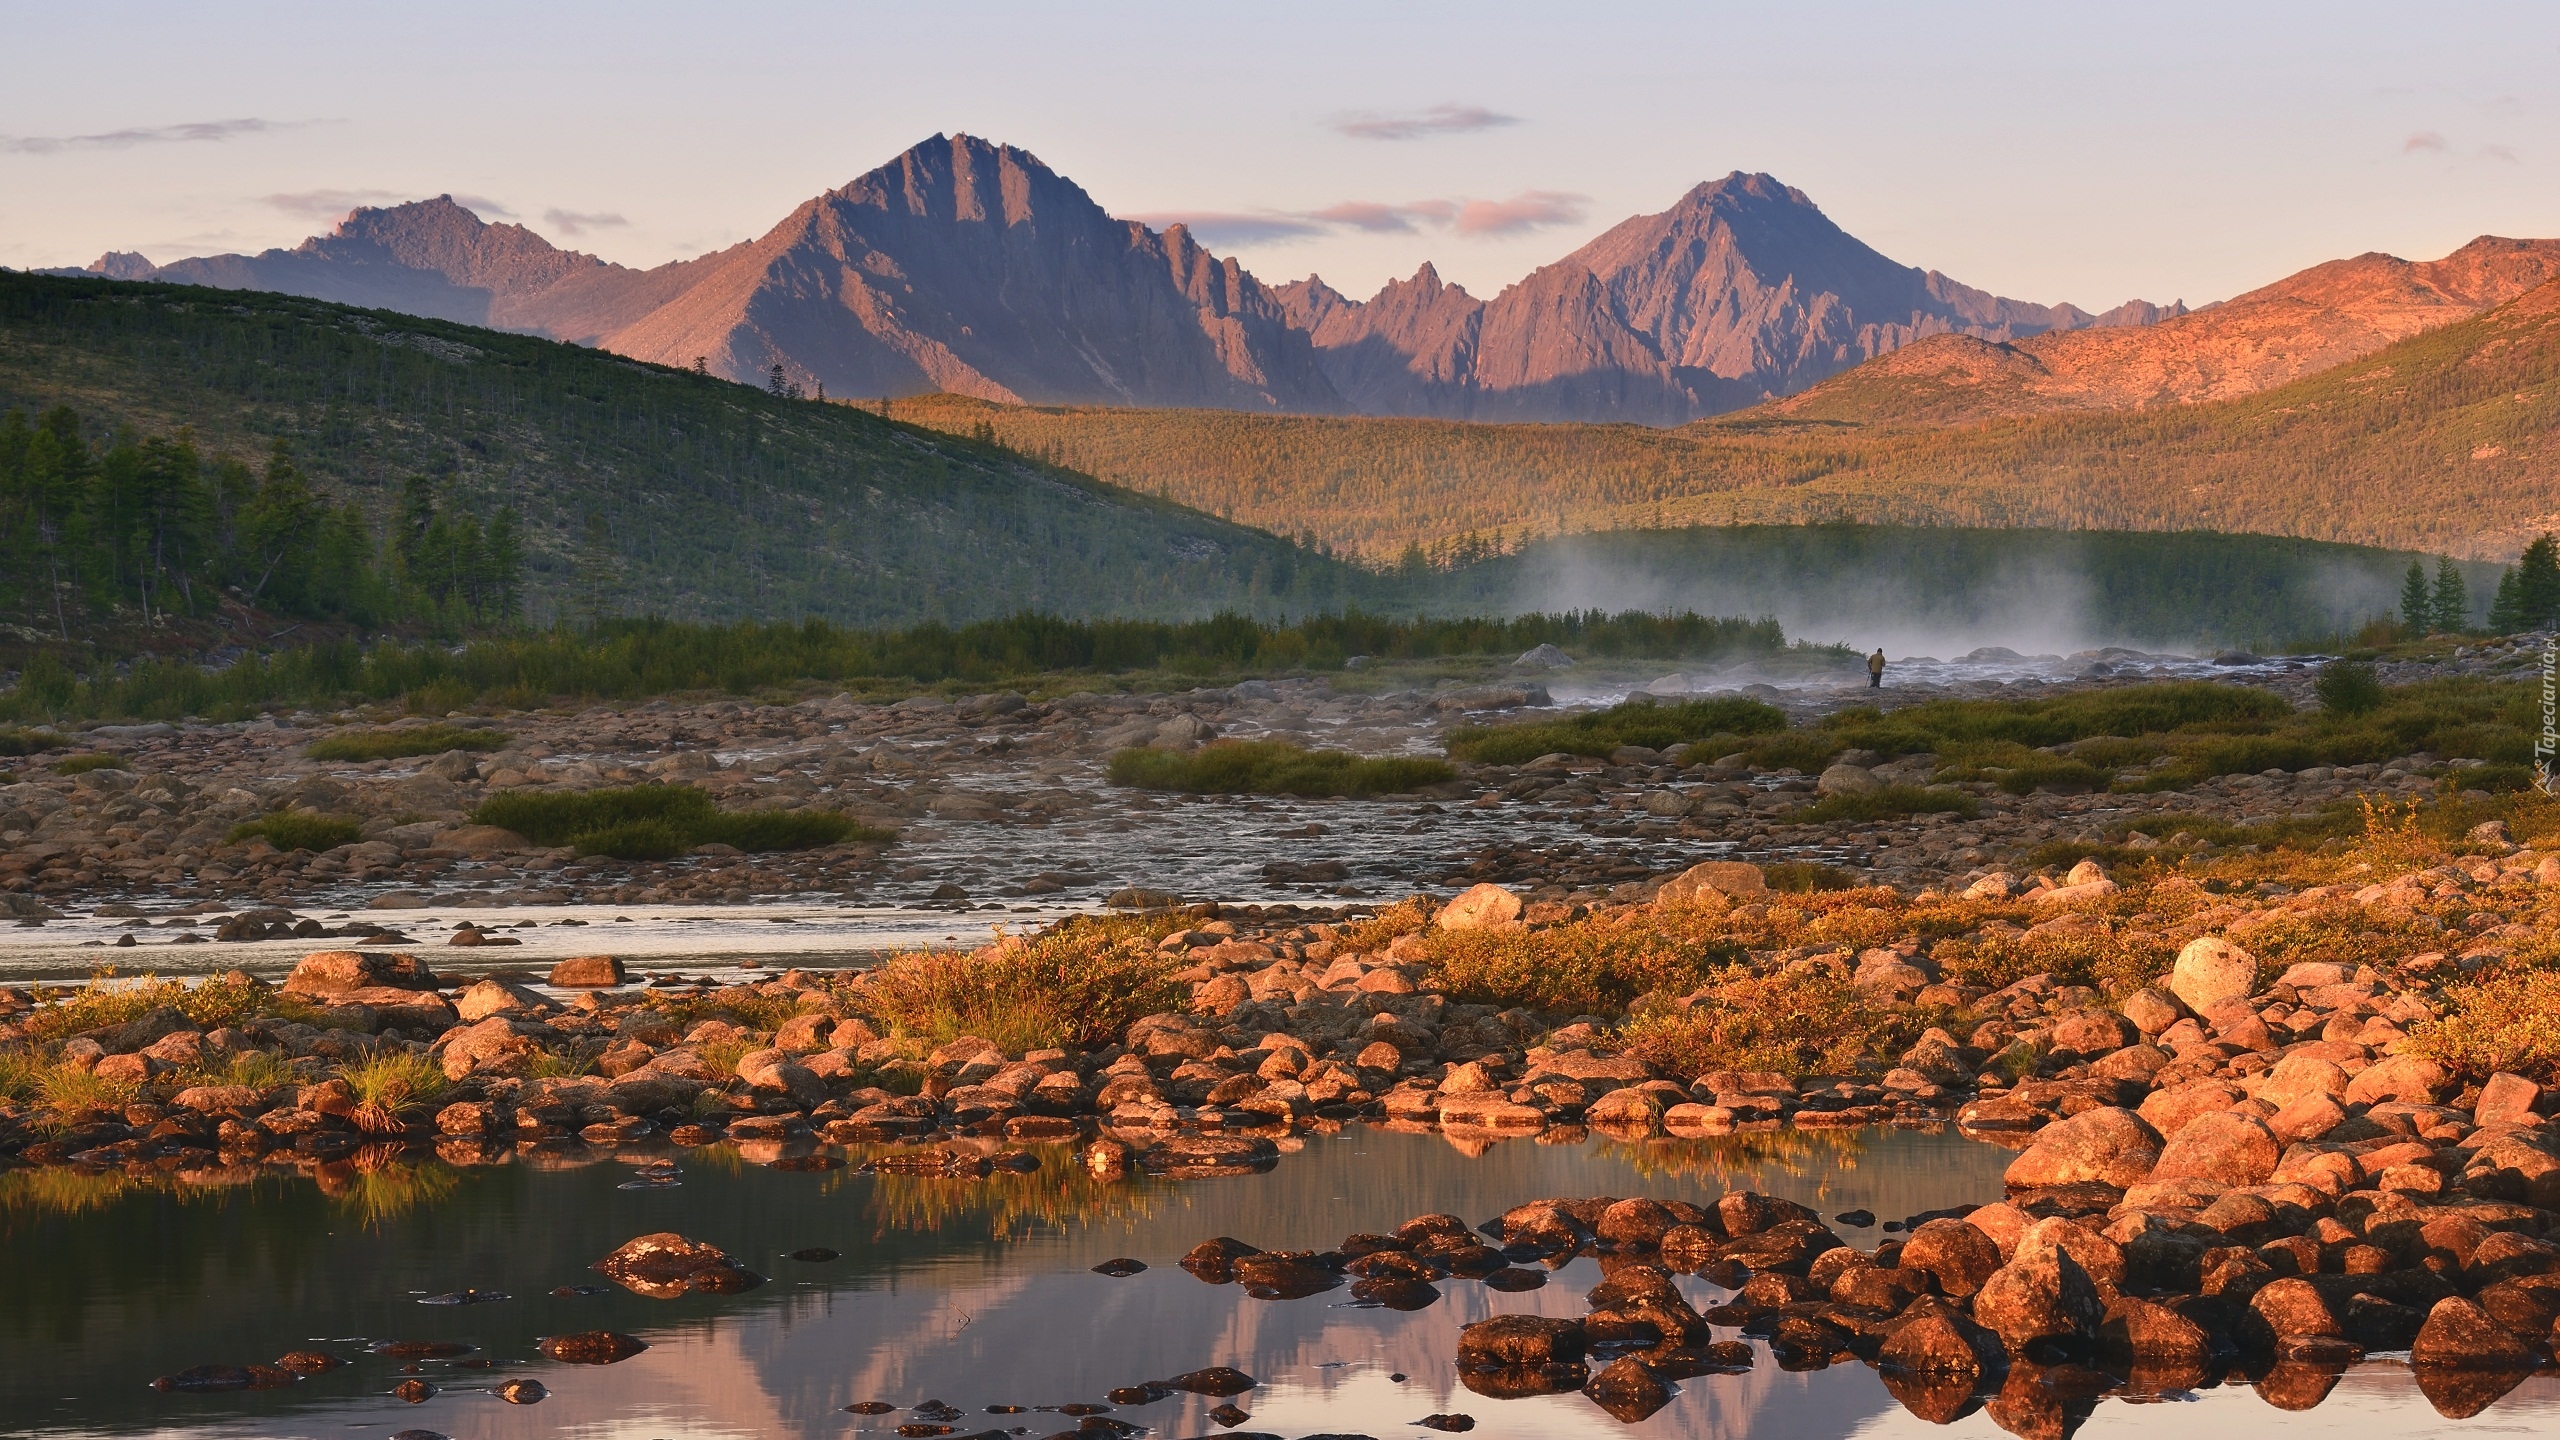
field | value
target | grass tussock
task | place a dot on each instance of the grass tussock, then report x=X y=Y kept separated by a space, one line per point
x=392 y=1087
x=400 y=742
x=1637 y=722
x=1804 y=1023
x=661 y=822
x=1273 y=767
x=2507 y=1021
x=300 y=830
x=1080 y=984
x=1599 y=965
x=83 y=764
x=69 y=1091
x=209 y=1005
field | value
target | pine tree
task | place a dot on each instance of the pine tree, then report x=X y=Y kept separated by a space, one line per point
x=776 y=383
x=2416 y=609
x=2451 y=610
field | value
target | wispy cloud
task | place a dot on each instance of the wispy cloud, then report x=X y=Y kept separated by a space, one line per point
x=2499 y=152
x=1378 y=219
x=1235 y=227
x=1417 y=125
x=575 y=222
x=2424 y=140
x=193 y=132
x=1526 y=211
x=1529 y=210
x=327 y=204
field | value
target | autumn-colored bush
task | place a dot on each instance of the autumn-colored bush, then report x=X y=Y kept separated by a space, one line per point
x=2506 y=1021
x=1598 y=965
x=105 y=1001
x=2112 y=958
x=1810 y=1022
x=1080 y=983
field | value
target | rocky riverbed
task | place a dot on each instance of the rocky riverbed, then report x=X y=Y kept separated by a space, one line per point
x=1000 y=801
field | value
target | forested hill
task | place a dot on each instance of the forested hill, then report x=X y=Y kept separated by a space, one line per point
x=638 y=489
x=2441 y=443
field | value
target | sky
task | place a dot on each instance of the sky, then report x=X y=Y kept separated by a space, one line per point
x=2050 y=152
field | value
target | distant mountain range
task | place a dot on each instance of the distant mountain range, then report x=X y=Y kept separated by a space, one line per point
x=971 y=268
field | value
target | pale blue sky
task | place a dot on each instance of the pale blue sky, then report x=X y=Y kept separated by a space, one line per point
x=2046 y=151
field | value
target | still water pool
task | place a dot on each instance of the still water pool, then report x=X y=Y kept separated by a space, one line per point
x=975 y=1292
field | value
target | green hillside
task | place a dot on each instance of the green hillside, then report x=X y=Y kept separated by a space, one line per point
x=638 y=489
x=2439 y=443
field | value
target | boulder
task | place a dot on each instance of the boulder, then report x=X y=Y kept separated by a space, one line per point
x=2211 y=970
x=1957 y=1256
x=2107 y=1146
x=2151 y=1009
x=1735 y=879
x=1628 y=1389
x=2223 y=1146
x=2154 y=1336
x=496 y=997
x=495 y=1046
x=337 y=972
x=589 y=972
x=2042 y=1297
x=2100 y=1256
x=1847 y=780
x=591 y=1347
x=480 y=842
x=1479 y=907
x=665 y=1265
x=2404 y=1078
x=1935 y=1338
x=2459 y=1335
x=2288 y=1309
x=1516 y=1342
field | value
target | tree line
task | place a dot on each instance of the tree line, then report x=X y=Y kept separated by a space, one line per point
x=151 y=523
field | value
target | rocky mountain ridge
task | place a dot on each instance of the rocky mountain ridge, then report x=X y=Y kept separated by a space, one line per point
x=971 y=267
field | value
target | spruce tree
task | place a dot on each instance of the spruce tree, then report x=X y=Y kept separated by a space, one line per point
x=2415 y=606
x=2452 y=607
x=2506 y=613
x=2538 y=584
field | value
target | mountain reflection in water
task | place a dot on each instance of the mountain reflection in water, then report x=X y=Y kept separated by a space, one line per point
x=975 y=1292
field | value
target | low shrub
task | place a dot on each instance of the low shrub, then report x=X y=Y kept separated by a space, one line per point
x=765 y=830
x=635 y=840
x=21 y=1076
x=2348 y=687
x=660 y=822
x=1809 y=1023
x=398 y=742
x=1272 y=767
x=17 y=740
x=1657 y=727
x=2118 y=963
x=300 y=830
x=1080 y=983
x=1599 y=965
x=83 y=764
x=1886 y=802
x=2508 y=1021
x=1804 y=877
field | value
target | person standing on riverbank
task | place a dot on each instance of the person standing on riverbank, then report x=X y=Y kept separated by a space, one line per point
x=1875 y=669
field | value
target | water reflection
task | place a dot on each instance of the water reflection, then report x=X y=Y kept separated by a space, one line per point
x=978 y=1292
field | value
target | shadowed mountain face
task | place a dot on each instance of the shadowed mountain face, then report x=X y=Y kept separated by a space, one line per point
x=2307 y=322
x=973 y=268
x=969 y=267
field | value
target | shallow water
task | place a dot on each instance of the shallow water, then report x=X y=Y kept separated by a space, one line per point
x=973 y=1292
